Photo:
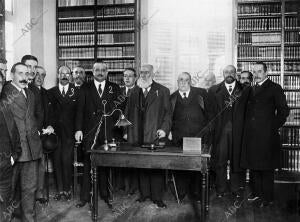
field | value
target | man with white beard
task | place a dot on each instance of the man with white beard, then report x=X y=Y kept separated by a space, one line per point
x=148 y=108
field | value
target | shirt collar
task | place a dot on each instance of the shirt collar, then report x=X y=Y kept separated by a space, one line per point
x=230 y=84
x=148 y=88
x=98 y=83
x=186 y=93
x=66 y=87
x=260 y=83
x=18 y=88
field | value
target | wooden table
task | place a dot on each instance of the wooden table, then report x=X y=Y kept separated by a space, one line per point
x=171 y=158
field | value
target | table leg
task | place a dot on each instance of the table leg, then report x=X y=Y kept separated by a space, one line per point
x=95 y=194
x=203 y=197
x=207 y=191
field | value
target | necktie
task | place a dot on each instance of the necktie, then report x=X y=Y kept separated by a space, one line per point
x=184 y=96
x=146 y=92
x=128 y=92
x=23 y=93
x=63 y=92
x=100 y=90
x=230 y=89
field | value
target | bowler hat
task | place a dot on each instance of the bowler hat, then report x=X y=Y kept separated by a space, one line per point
x=49 y=142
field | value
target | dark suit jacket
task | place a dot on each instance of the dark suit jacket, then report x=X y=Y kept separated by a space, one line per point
x=218 y=93
x=64 y=110
x=157 y=113
x=39 y=114
x=24 y=110
x=46 y=107
x=201 y=98
x=267 y=111
x=90 y=110
x=14 y=136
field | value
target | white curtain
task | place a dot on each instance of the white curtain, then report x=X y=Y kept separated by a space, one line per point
x=194 y=36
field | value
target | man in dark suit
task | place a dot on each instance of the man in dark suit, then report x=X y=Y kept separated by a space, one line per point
x=31 y=62
x=266 y=112
x=10 y=150
x=191 y=112
x=227 y=132
x=78 y=76
x=63 y=99
x=90 y=111
x=148 y=109
x=127 y=177
x=21 y=103
x=40 y=74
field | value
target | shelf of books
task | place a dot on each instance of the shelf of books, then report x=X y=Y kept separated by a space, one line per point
x=269 y=31
x=2 y=29
x=97 y=30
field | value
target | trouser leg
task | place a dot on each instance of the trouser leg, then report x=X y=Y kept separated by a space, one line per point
x=41 y=177
x=67 y=160
x=157 y=184
x=144 y=176
x=86 y=180
x=29 y=182
x=221 y=179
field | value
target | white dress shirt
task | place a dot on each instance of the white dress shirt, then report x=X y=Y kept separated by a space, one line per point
x=186 y=93
x=61 y=87
x=102 y=86
x=228 y=85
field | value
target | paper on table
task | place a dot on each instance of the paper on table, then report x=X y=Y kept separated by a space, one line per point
x=192 y=145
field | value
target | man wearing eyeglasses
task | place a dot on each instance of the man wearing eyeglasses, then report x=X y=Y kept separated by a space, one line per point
x=90 y=111
x=63 y=99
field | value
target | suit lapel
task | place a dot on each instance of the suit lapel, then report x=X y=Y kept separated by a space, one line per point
x=57 y=94
x=70 y=92
x=174 y=100
x=152 y=94
x=19 y=99
x=8 y=120
x=93 y=91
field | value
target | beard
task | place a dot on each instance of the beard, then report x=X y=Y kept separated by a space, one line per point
x=79 y=81
x=144 y=83
x=229 y=79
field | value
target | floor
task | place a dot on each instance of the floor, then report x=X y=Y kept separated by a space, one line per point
x=125 y=208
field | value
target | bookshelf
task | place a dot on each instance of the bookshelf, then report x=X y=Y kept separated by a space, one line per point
x=98 y=30
x=269 y=31
x=2 y=28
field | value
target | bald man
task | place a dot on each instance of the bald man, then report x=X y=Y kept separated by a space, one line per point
x=63 y=99
x=227 y=133
x=191 y=112
x=89 y=113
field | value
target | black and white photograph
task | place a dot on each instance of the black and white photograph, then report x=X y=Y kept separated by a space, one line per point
x=149 y=110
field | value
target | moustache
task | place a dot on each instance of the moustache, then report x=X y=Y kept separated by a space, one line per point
x=65 y=79
x=23 y=81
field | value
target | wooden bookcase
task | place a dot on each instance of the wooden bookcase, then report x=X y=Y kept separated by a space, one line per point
x=98 y=30
x=2 y=29
x=269 y=31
